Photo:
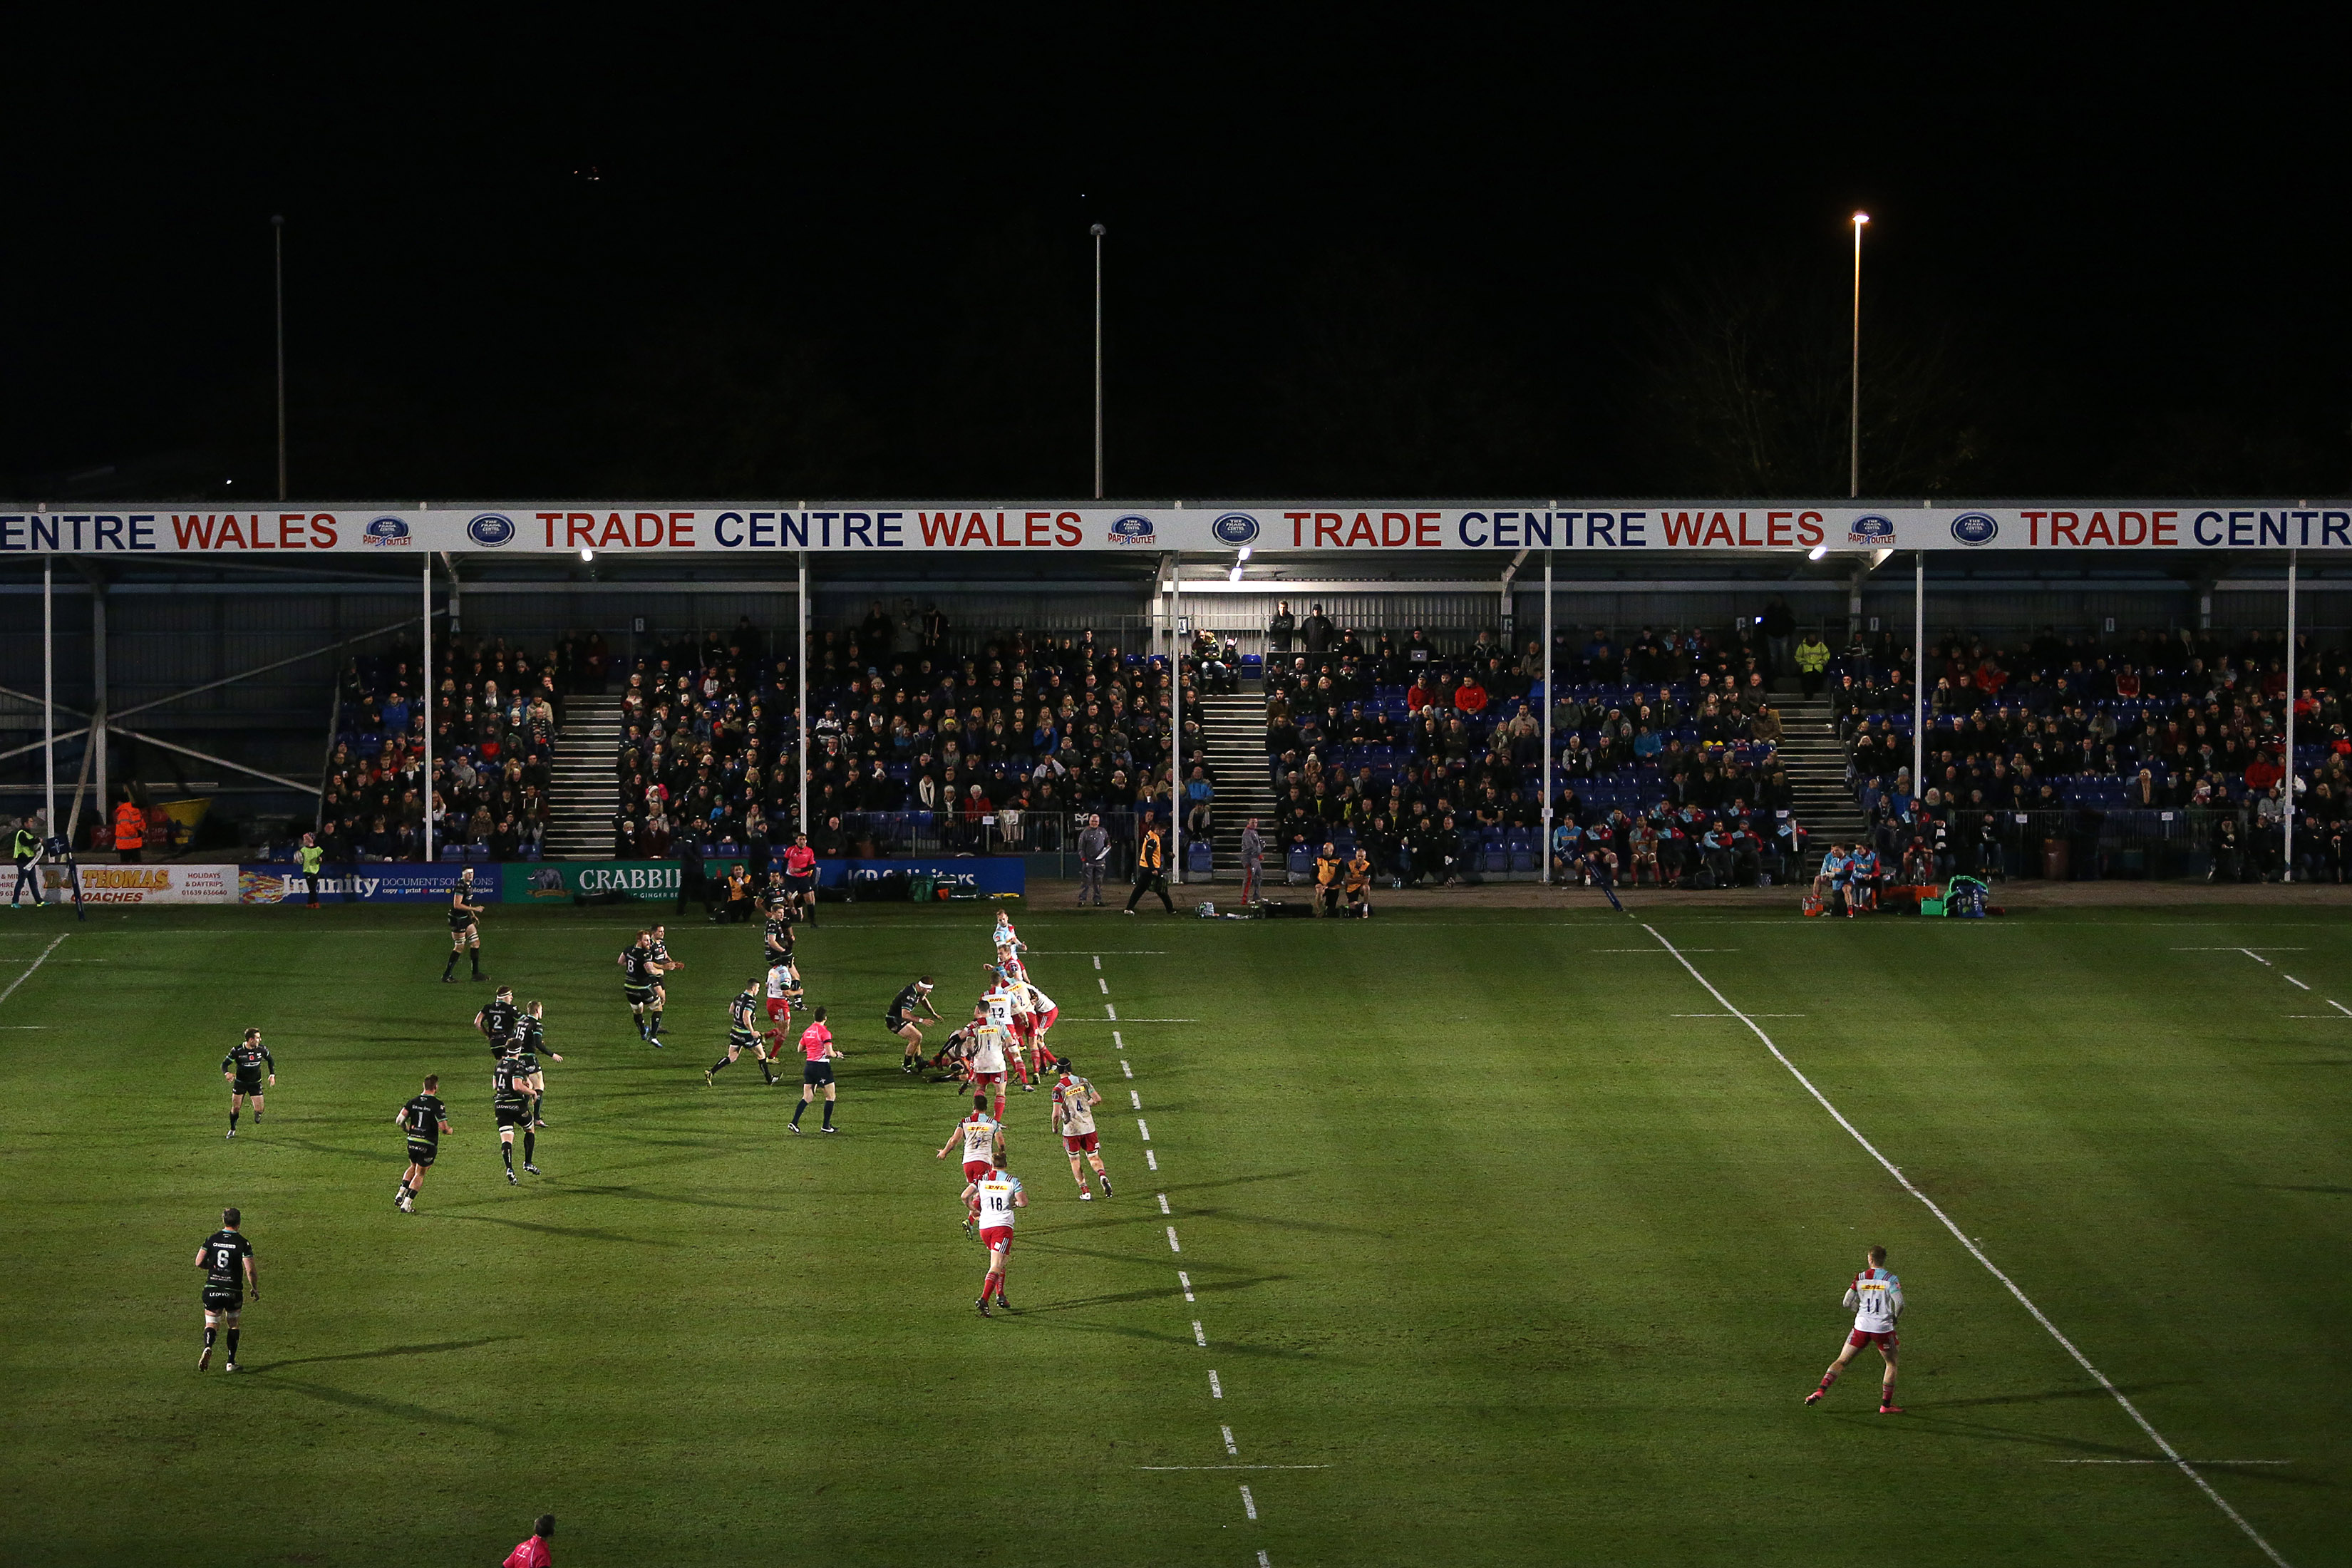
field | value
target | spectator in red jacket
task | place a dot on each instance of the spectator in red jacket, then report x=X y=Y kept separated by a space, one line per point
x=1420 y=695
x=1470 y=696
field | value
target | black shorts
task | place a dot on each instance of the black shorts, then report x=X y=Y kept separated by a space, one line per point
x=421 y=1153
x=742 y=1040
x=217 y=1300
x=636 y=995
x=794 y=884
x=894 y=1022
x=245 y=1086
x=514 y=1115
x=816 y=1072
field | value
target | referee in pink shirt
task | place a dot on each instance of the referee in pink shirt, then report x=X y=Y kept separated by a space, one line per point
x=533 y=1552
x=816 y=1045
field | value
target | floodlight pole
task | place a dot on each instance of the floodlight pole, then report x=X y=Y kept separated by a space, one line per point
x=49 y=693
x=1543 y=821
x=1853 y=428
x=800 y=663
x=2286 y=870
x=278 y=245
x=1097 y=232
x=424 y=679
x=1918 y=681
x=1176 y=714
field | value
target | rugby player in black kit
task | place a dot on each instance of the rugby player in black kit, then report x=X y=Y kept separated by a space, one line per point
x=226 y=1258
x=465 y=927
x=243 y=1067
x=639 y=970
x=510 y=1102
x=423 y=1119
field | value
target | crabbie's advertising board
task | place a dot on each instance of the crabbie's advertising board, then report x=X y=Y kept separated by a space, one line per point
x=740 y=529
x=545 y=881
x=144 y=884
x=369 y=882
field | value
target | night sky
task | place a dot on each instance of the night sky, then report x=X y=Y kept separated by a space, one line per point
x=1353 y=257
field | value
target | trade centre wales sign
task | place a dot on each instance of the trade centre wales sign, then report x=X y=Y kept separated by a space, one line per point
x=737 y=530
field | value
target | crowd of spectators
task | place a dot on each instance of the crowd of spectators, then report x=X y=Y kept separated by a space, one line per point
x=493 y=726
x=1432 y=754
x=2163 y=732
x=995 y=747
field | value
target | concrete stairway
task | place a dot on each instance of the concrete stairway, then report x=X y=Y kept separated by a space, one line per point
x=1233 y=735
x=584 y=791
x=1816 y=762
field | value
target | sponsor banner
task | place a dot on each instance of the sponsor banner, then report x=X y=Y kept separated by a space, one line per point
x=751 y=529
x=989 y=874
x=144 y=884
x=560 y=880
x=372 y=882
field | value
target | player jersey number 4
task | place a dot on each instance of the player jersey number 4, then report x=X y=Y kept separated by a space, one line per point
x=996 y=1195
x=1877 y=1298
x=1073 y=1098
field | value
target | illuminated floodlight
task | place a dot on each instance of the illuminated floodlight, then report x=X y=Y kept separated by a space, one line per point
x=1817 y=551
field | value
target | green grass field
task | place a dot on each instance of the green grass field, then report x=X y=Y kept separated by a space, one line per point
x=1507 y=1245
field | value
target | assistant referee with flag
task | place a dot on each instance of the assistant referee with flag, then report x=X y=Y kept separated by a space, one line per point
x=26 y=849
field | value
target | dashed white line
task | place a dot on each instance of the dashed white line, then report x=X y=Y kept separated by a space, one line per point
x=1098 y=960
x=1136 y=1098
x=1261 y=1559
x=35 y=964
x=1110 y=1013
x=1249 y=1504
x=2258 y=958
x=2340 y=1007
x=1216 y=1389
x=1125 y=1069
x=1228 y=1439
x=2169 y=1452
x=1150 y=1160
x=1163 y=1204
x=1199 y=1334
x=1185 y=1280
x=1143 y=1127
x=2167 y=1461
x=1173 y=1246
x=1117 y=1041
x=2290 y=980
x=1104 y=983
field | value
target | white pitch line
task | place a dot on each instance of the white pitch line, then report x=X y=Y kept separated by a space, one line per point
x=1734 y=1015
x=35 y=964
x=2290 y=980
x=2169 y=1452
x=1151 y=1159
x=2258 y=958
x=1263 y=1561
x=1163 y=1204
x=1104 y=983
x=1229 y=1440
x=1110 y=1013
x=1173 y=1245
x=1114 y=1039
x=1185 y=1280
x=1260 y=1557
x=1098 y=960
x=2340 y=1007
x=1216 y=1389
x=1199 y=1334
x=1249 y=1505
x=1125 y=1069
x=1143 y=1127
x=1136 y=1098
x=2184 y=949
x=2167 y=1461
